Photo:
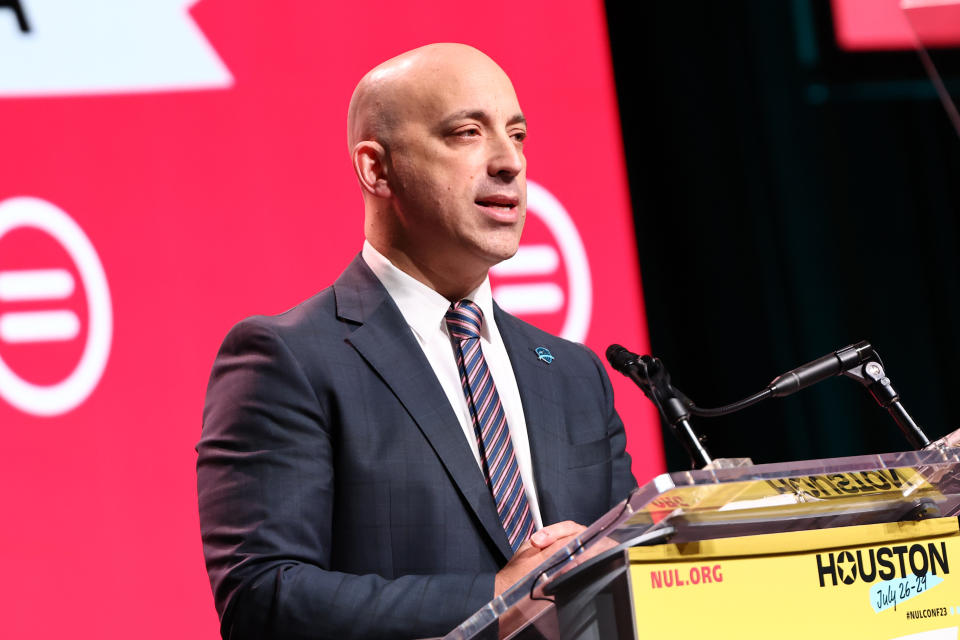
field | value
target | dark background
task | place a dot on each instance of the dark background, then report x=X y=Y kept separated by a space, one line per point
x=790 y=199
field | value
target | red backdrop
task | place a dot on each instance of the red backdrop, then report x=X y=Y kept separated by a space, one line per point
x=169 y=170
x=866 y=25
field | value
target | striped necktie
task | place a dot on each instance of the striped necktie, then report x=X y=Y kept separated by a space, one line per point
x=489 y=423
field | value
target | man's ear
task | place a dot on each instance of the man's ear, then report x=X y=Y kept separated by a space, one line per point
x=369 y=163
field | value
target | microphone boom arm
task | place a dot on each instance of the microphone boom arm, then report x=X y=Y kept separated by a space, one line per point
x=858 y=361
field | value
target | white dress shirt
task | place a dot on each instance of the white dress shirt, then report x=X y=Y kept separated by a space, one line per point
x=424 y=310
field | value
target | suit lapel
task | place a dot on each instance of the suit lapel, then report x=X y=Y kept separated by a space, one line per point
x=386 y=342
x=542 y=409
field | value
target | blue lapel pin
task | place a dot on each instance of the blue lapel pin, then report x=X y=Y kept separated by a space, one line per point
x=544 y=354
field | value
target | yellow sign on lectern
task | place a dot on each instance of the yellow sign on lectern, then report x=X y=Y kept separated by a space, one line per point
x=897 y=581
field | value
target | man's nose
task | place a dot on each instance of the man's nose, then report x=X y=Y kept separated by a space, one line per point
x=506 y=157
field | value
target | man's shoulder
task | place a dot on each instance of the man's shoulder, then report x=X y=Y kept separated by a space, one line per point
x=314 y=312
x=299 y=334
x=323 y=313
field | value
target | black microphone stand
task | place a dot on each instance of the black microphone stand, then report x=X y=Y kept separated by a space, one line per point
x=872 y=376
x=654 y=381
x=859 y=361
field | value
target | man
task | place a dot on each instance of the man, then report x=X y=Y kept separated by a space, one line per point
x=375 y=461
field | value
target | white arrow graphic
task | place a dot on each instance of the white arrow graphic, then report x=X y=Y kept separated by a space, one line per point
x=105 y=46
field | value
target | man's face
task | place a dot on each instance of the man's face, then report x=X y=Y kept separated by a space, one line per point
x=459 y=174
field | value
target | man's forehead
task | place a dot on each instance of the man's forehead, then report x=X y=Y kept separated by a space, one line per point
x=430 y=85
x=446 y=96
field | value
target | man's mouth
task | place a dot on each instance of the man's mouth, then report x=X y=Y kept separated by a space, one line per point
x=504 y=203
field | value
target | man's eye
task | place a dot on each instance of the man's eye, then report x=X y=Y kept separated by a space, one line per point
x=519 y=136
x=467 y=133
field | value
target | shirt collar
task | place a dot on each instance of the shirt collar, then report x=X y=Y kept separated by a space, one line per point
x=422 y=307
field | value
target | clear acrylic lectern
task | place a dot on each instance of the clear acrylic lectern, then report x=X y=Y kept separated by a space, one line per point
x=722 y=503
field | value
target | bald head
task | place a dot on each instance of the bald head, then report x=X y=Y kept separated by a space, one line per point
x=436 y=139
x=402 y=86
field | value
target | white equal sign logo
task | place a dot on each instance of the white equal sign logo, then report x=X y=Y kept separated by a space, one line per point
x=37 y=285
x=48 y=323
x=536 y=267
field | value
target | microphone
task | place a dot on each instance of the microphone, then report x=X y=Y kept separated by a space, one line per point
x=646 y=372
x=620 y=358
x=625 y=361
x=820 y=369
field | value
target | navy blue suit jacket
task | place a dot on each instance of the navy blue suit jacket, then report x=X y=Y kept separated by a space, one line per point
x=338 y=495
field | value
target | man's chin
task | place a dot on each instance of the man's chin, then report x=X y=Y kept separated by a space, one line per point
x=501 y=255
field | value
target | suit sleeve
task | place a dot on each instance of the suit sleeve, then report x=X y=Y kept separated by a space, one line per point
x=266 y=488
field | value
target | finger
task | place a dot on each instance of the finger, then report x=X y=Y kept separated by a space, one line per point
x=551 y=534
x=558 y=544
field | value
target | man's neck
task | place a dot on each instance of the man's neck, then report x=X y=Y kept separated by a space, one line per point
x=452 y=283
